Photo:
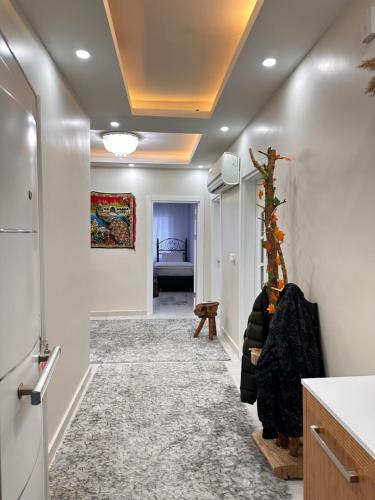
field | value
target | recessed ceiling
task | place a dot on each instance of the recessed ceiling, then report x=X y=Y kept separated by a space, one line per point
x=153 y=148
x=175 y=57
x=280 y=31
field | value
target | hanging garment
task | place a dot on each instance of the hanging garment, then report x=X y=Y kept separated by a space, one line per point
x=291 y=352
x=254 y=337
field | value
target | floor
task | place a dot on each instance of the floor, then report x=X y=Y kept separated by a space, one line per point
x=233 y=367
x=174 y=305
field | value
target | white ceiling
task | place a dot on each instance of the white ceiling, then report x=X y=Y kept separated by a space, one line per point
x=284 y=29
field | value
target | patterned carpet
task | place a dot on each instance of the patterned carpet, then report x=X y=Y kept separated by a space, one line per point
x=151 y=340
x=162 y=431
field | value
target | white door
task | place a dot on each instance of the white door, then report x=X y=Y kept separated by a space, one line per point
x=252 y=266
x=22 y=461
x=216 y=251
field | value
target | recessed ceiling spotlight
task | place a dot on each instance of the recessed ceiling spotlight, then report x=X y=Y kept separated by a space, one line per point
x=114 y=124
x=131 y=165
x=83 y=54
x=224 y=128
x=269 y=62
x=200 y=166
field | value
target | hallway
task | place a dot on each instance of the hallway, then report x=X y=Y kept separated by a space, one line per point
x=159 y=424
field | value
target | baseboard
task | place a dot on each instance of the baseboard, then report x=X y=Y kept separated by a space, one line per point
x=231 y=342
x=68 y=415
x=115 y=314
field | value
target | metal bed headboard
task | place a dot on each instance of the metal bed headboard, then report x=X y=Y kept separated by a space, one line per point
x=172 y=245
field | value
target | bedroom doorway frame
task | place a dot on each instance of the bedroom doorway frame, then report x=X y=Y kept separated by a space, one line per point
x=198 y=279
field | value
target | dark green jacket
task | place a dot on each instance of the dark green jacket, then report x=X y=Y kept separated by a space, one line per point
x=255 y=335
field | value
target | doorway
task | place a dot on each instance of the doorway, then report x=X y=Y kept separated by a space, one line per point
x=175 y=255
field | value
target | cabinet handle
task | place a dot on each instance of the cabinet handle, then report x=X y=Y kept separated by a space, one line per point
x=350 y=475
x=37 y=393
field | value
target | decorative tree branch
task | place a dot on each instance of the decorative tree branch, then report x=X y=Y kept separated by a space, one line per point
x=274 y=236
x=369 y=64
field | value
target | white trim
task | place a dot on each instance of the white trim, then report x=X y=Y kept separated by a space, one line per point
x=115 y=314
x=228 y=339
x=170 y=198
x=68 y=415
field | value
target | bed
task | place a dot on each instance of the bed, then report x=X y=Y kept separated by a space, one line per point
x=172 y=269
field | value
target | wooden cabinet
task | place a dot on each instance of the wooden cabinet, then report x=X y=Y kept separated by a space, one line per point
x=336 y=466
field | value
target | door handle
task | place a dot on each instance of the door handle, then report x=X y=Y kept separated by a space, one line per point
x=37 y=393
x=350 y=475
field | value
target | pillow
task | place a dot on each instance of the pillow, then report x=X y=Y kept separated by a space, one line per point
x=171 y=256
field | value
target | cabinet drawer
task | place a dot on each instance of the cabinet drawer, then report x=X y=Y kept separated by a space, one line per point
x=330 y=456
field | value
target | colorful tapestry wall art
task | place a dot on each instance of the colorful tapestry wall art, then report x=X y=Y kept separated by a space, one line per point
x=113 y=220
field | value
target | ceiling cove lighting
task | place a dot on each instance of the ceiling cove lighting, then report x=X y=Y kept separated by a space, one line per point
x=192 y=89
x=224 y=128
x=269 y=62
x=120 y=143
x=83 y=54
x=114 y=124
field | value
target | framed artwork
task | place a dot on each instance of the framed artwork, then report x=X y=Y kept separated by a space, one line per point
x=113 y=220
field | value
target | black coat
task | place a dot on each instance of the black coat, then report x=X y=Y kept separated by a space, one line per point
x=254 y=336
x=290 y=353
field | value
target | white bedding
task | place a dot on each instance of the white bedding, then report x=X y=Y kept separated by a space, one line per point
x=174 y=269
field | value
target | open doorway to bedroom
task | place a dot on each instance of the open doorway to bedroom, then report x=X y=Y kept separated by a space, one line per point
x=175 y=297
x=174 y=258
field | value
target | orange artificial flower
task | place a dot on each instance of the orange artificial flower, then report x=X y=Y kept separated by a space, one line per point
x=278 y=260
x=274 y=219
x=273 y=297
x=279 y=157
x=271 y=309
x=280 y=284
x=279 y=235
x=260 y=194
x=268 y=247
x=270 y=269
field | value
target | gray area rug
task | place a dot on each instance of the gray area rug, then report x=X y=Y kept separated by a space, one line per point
x=162 y=431
x=176 y=299
x=152 y=340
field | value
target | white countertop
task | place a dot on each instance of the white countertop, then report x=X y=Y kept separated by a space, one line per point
x=351 y=400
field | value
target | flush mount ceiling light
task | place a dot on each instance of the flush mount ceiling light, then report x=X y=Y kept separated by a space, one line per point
x=200 y=166
x=120 y=143
x=131 y=165
x=224 y=128
x=83 y=54
x=269 y=62
x=114 y=124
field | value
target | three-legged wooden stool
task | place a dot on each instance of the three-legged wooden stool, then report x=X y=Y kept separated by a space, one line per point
x=207 y=310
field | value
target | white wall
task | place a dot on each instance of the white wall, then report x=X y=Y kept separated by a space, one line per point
x=64 y=170
x=118 y=277
x=322 y=118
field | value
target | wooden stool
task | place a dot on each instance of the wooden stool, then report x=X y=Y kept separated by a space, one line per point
x=207 y=310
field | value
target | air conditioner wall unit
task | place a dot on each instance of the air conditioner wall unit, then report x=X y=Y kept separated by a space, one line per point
x=224 y=174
